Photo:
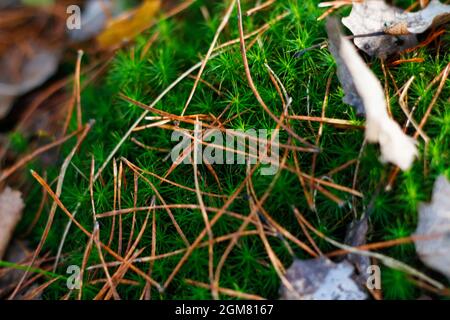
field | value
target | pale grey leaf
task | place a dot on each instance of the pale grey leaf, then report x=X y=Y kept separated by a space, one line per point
x=375 y=16
x=11 y=206
x=359 y=81
x=434 y=221
x=321 y=279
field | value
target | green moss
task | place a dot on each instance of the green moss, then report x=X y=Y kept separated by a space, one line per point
x=180 y=43
x=397 y=285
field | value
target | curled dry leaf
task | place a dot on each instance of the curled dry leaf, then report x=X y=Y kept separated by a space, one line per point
x=11 y=206
x=321 y=279
x=372 y=17
x=361 y=84
x=434 y=221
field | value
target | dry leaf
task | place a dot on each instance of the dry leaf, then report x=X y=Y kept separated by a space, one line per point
x=357 y=236
x=11 y=206
x=434 y=220
x=22 y=72
x=129 y=25
x=321 y=279
x=396 y=147
x=433 y=15
x=375 y=16
x=6 y=103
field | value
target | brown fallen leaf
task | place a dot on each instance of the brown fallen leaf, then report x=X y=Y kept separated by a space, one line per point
x=434 y=219
x=372 y=17
x=321 y=279
x=361 y=83
x=11 y=206
x=128 y=25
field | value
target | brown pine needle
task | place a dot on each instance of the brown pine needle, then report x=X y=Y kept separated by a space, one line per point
x=260 y=7
x=180 y=251
x=86 y=254
x=443 y=77
x=39 y=211
x=202 y=234
x=169 y=212
x=319 y=135
x=119 y=203
x=31 y=295
x=255 y=91
x=209 y=53
x=140 y=144
x=340 y=123
x=133 y=221
x=102 y=259
x=171 y=182
x=386 y=244
x=308 y=236
x=214 y=291
x=24 y=160
x=78 y=89
x=401 y=61
x=87 y=233
x=228 y=292
x=52 y=212
x=147 y=292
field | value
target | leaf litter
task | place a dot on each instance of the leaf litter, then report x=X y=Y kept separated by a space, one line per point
x=321 y=279
x=434 y=221
x=372 y=17
x=381 y=29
